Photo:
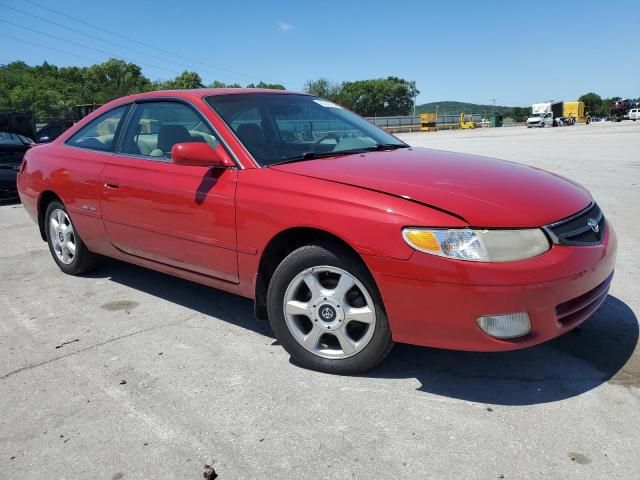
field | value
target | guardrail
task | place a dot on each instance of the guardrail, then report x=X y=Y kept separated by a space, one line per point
x=411 y=123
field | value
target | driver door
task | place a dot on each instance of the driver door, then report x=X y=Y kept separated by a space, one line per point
x=182 y=216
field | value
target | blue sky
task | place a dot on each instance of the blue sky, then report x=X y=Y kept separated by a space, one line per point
x=516 y=52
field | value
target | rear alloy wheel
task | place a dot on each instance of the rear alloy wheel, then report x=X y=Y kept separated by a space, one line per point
x=63 y=239
x=66 y=246
x=326 y=312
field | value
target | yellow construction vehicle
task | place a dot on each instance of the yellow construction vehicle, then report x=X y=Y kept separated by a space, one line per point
x=428 y=122
x=466 y=121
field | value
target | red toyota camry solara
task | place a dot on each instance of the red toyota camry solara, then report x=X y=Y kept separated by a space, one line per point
x=347 y=238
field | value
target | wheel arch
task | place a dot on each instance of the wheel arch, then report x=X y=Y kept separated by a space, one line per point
x=45 y=198
x=281 y=245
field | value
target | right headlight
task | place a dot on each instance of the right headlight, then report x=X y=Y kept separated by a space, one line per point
x=478 y=245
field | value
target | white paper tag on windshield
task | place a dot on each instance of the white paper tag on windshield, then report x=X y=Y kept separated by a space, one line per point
x=327 y=103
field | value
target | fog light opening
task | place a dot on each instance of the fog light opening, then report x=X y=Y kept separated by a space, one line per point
x=505 y=326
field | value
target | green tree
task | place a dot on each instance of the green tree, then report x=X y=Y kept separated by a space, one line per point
x=186 y=80
x=219 y=84
x=323 y=88
x=593 y=103
x=379 y=97
x=272 y=86
x=520 y=114
x=113 y=79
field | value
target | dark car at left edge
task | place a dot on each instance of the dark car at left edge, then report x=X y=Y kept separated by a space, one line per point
x=12 y=149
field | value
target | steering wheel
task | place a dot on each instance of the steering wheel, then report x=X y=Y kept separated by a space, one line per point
x=333 y=135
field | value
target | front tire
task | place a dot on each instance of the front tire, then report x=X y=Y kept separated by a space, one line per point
x=326 y=311
x=67 y=248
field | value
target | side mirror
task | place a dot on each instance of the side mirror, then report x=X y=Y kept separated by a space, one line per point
x=200 y=154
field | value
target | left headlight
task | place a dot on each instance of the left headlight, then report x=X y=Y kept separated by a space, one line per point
x=478 y=245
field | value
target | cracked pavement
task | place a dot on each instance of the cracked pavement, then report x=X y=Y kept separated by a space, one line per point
x=207 y=384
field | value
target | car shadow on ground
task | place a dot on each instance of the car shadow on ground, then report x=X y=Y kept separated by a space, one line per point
x=600 y=351
x=194 y=296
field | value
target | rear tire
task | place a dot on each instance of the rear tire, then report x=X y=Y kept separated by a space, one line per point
x=326 y=311
x=67 y=248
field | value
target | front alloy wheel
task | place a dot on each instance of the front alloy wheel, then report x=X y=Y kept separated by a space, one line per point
x=326 y=311
x=329 y=312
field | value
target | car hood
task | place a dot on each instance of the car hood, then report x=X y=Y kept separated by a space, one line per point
x=485 y=192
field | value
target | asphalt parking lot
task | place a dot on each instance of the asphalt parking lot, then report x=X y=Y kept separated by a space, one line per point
x=127 y=373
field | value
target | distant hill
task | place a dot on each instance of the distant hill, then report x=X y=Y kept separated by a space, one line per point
x=456 y=108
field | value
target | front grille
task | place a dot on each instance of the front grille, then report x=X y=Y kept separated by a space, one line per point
x=583 y=306
x=584 y=228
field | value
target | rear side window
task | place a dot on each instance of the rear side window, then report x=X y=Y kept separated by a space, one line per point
x=100 y=134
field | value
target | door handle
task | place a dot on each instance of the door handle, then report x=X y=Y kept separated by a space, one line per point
x=111 y=183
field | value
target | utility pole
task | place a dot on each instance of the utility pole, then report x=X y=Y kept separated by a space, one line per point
x=494 y=106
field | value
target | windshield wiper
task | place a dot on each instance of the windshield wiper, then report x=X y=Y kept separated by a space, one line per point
x=386 y=146
x=314 y=155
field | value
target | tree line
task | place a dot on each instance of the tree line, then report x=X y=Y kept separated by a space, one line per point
x=51 y=91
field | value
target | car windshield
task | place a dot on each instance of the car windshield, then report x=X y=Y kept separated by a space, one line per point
x=535 y=115
x=280 y=128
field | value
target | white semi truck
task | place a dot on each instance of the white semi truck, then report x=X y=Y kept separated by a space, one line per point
x=544 y=114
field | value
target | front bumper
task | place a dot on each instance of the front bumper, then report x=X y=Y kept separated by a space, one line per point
x=433 y=301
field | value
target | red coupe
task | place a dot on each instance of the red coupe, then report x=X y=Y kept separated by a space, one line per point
x=347 y=238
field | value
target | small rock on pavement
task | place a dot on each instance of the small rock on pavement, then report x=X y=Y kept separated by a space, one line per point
x=209 y=473
x=123 y=382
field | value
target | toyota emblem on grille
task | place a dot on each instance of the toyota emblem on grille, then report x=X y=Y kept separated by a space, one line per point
x=593 y=224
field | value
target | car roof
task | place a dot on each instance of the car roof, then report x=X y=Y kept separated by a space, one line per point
x=187 y=94
x=203 y=92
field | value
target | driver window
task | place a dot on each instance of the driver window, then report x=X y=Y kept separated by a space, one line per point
x=157 y=126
